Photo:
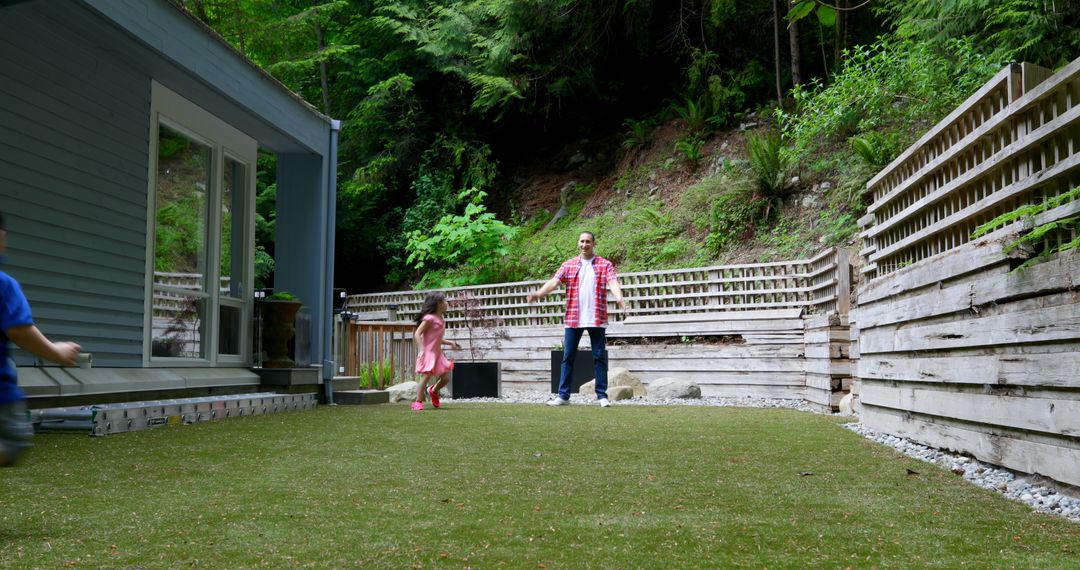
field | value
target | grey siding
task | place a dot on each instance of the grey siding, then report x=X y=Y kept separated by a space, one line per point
x=169 y=31
x=73 y=166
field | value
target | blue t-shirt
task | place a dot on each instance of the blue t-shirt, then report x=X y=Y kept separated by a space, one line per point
x=14 y=312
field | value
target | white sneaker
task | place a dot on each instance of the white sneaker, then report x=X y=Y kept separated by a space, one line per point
x=557 y=401
x=605 y=403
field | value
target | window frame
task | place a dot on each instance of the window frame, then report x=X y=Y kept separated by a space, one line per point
x=226 y=142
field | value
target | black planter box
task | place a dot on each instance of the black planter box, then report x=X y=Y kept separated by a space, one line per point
x=475 y=380
x=583 y=370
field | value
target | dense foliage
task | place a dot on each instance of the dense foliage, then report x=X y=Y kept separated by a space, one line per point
x=442 y=96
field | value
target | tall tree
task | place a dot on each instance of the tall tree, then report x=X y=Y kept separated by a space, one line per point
x=796 y=50
x=776 y=51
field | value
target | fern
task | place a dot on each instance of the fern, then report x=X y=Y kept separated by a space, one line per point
x=693 y=113
x=1036 y=234
x=690 y=149
x=770 y=166
x=875 y=149
x=637 y=132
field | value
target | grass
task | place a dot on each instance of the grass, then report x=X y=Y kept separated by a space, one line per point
x=514 y=486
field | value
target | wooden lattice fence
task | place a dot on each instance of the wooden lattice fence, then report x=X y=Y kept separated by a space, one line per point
x=955 y=350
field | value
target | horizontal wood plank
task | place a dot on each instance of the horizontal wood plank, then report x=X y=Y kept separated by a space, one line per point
x=1047 y=324
x=1058 y=460
x=1054 y=416
x=1050 y=369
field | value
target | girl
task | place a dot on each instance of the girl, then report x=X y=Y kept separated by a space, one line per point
x=430 y=360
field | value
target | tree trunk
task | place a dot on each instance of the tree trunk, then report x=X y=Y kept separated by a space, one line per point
x=796 y=54
x=322 y=62
x=840 y=32
x=776 y=43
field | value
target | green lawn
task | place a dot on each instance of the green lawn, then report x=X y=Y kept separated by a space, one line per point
x=508 y=486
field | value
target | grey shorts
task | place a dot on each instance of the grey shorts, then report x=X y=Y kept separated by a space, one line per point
x=16 y=432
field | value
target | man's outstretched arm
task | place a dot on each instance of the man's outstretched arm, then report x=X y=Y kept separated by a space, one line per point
x=543 y=291
x=616 y=290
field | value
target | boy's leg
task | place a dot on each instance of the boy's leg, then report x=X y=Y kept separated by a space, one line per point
x=598 y=339
x=16 y=432
x=571 y=338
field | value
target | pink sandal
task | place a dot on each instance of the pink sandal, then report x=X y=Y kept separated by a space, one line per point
x=418 y=406
x=434 y=394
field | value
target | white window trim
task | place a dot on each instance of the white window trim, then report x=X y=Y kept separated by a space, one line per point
x=188 y=118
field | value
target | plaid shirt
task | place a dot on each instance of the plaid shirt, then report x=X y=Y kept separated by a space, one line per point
x=568 y=274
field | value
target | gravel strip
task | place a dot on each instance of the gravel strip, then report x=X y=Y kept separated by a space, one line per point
x=539 y=397
x=1039 y=494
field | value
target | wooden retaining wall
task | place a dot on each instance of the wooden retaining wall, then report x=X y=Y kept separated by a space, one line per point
x=734 y=330
x=828 y=360
x=955 y=350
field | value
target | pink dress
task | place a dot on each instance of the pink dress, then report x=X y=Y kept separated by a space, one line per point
x=431 y=360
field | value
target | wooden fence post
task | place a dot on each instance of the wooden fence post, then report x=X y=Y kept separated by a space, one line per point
x=843 y=281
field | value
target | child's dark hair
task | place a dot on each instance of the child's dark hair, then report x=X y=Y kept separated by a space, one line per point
x=431 y=305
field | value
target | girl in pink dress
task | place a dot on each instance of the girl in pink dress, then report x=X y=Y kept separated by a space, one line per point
x=430 y=360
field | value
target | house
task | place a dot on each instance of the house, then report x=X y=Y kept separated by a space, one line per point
x=128 y=140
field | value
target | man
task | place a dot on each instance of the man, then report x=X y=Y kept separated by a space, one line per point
x=17 y=325
x=587 y=278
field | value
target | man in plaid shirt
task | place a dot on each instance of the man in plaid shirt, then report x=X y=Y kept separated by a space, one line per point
x=587 y=278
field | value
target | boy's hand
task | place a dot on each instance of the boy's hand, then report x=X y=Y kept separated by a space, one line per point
x=67 y=353
x=455 y=345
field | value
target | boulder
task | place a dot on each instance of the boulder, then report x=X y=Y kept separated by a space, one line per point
x=620 y=392
x=404 y=392
x=623 y=377
x=674 y=388
x=588 y=388
x=845 y=406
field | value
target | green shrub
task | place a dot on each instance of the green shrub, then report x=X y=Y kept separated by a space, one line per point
x=837 y=228
x=475 y=239
x=888 y=82
x=735 y=212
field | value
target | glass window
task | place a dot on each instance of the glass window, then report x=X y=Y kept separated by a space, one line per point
x=180 y=295
x=200 y=237
x=232 y=229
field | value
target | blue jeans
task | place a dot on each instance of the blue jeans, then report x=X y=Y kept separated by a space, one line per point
x=597 y=339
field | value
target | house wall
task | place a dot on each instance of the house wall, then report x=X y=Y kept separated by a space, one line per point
x=73 y=168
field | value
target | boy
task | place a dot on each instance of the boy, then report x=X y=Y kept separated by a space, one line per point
x=16 y=324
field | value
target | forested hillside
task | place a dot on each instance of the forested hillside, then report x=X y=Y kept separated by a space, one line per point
x=479 y=137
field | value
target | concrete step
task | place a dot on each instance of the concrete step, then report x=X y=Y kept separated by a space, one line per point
x=361 y=397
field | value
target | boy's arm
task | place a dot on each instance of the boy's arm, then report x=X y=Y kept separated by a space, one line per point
x=30 y=339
